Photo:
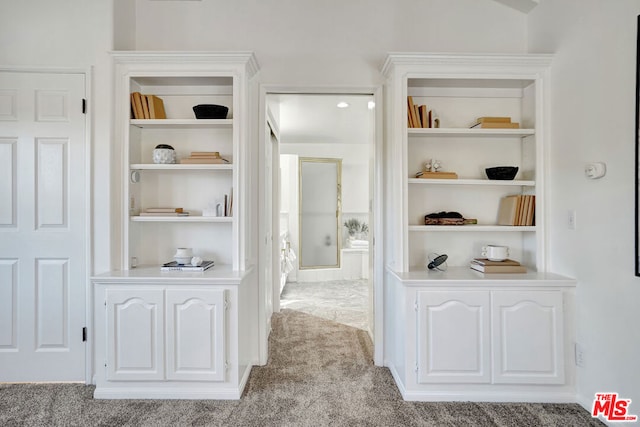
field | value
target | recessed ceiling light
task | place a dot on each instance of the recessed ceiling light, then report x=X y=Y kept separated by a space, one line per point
x=342 y=104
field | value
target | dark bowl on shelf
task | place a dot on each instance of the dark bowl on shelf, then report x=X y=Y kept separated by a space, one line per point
x=505 y=173
x=210 y=111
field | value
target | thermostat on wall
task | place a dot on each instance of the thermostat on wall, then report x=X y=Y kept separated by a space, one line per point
x=595 y=170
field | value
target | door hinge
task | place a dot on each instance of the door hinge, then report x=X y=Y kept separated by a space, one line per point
x=416 y=368
x=84 y=334
x=226 y=304
x=84 y=106
x=415 y=306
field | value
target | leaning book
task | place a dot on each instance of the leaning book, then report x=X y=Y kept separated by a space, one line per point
x=174 y=266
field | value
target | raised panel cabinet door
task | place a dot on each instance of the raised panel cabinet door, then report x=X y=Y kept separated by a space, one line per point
x=135 y=344
x=195 y=334
x=528 y=337
x=453 y=337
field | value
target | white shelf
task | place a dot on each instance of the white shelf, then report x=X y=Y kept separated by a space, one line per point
x=178 y=166
x=222 y=219
x=471 y=132
x=472 y=228
x=464 y=276
x=182 y=123
x=485 y=182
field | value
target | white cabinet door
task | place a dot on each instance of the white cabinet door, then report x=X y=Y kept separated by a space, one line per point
x=453 y=337
x=528 y=337
x=135 y=343
x=195 y=334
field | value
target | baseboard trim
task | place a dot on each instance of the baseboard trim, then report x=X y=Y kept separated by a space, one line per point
x=244 y=380
x=398 y=381
x=166 y=393
x=487 y=396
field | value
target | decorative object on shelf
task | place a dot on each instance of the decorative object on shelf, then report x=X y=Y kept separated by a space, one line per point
x=485 y=265
x=447 y=218
x=495 y=252
x=183 y=255
x=503 y=173
x=495 y=123
x=437 y=262
x=164 y=154
x=205 y=157
x=196 y=261
x=432 y=171
x=210 y=111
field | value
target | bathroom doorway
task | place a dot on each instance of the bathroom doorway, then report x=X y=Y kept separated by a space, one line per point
x=327 y=131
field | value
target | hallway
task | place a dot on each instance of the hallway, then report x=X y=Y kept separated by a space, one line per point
x=342 y=301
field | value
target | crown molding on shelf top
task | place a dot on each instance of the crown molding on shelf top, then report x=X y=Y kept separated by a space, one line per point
x=138 y=56
x=497 y=61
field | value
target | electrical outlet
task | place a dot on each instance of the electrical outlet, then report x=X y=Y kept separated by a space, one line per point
x=580 y=356
x=571 y=219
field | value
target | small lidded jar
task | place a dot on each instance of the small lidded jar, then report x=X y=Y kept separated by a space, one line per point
x=164 y=154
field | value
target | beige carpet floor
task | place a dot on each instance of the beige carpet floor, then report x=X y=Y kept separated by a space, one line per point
x=320 y=373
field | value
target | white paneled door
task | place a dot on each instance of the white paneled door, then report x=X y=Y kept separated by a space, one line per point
x=43 y=235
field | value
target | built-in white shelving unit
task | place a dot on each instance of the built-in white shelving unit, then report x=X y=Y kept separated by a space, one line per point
x=459 y=334
x=179 y=334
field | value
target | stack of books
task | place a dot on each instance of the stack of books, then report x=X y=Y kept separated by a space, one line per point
x=204 y=157
x=174 y=266
x=495 y=123
x=418 y=116
x=147 y=107
x=164 y=212
x=483 y=265
x=517 y=209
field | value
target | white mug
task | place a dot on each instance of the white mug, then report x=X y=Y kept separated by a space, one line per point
x=495 y=253
x=184 y=252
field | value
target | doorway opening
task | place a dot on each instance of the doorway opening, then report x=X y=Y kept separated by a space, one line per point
x=324 y=147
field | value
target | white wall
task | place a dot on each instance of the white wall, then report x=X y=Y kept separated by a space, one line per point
x=329 y=42
x=71 y=34
x=592 y=119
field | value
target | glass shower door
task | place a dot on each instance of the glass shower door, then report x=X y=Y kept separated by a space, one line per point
x=320 y=192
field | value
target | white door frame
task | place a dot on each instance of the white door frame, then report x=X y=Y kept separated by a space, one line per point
x=88 y=195
x=376 y=184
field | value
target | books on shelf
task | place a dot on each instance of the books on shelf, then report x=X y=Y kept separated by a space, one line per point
x=204 y=157
x=147 y=106
x=418 y=116
x=164 y=212
x=179 y=210
x=437 y=175
x=495 y=123
x=174 y=266
x=517 y=209
x=484 y=265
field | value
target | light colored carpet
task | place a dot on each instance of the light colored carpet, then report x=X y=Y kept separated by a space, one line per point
x=320 y=373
